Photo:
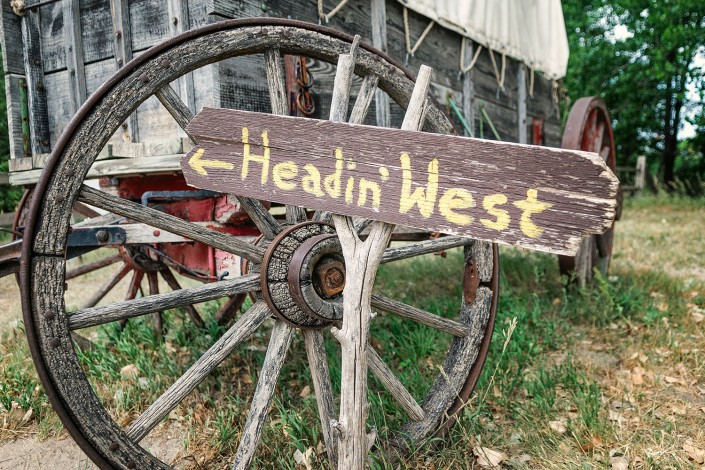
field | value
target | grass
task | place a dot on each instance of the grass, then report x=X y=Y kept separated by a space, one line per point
x=575 y=377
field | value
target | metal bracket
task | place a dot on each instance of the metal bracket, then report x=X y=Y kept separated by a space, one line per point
x=102 y=236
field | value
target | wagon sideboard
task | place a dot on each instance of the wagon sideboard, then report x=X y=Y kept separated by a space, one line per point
x=56 y=54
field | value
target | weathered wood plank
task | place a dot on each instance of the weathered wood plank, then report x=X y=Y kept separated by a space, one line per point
x=88 y=316
x=18 y=148
x=521 y=105
x=469 y=86
x=378 y=13
x=386 y=304
x=11 y=40
x=74 y=53
x=179 y=22
x=549 y=198
x=97 y=31
x=261 y=400
x=149 y=24
x=122 y=45
x=36 y=88
x=170 y=223
x=240 y=331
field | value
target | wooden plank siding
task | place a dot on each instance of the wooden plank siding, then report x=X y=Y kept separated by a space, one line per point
x=80 y=34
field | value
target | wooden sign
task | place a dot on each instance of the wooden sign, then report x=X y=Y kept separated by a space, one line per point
x=535 y=197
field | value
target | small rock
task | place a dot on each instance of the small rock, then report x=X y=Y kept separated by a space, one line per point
x=130 y=371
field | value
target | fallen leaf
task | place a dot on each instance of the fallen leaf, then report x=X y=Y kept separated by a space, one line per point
x=672 y=380
x=489 y=458
x=619 y=463
x=306 y=391
x=27 y=416
x=694 y=453
x=246 y=379
x=637 y=376
x=130 y=371
x=558 y=426
x=304 y=458
x=679 y=410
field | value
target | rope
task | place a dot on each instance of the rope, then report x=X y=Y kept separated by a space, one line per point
x=499 y=76
x=330 y=14
x=476 y=56
x=411 y=50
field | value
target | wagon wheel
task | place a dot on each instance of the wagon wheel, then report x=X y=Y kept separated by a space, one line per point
x=43 y=263
x=131 y=263
x=589 y=128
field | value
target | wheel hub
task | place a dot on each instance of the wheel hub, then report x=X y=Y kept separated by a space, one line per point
x=303 y=275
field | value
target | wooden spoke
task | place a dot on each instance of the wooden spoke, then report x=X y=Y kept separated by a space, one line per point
x=361 y=224
x=177 y=108
x=108 y=286
x=276 y=82
x=90 y=267
x=157 y=317
x=605 y=152
x=323 y=216
x=420 y=316
x=170 y=223
x=320 y=375
x=230 y=308
x=599 y=136
x=273 y=361
x=259 y=214
x=394 y=386
x=174 y=285
x=241 y=330
x=423 y=248
x=295 y=214
x=132 y=290
x=364 y=99
x=154 y=303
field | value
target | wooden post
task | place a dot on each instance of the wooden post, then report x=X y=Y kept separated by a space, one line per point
x=122 y=36
x=468 y=86
x=361 y=262
x=378 y=9
x=521 y=104
x=74 y=53
x=640 y=174
x=178 y=23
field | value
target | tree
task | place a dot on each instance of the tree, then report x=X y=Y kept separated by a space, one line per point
x=640 y=56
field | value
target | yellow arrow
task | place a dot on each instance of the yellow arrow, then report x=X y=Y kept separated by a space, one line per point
x=200 y=165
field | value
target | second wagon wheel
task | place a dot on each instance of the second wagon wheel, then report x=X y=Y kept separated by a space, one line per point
x=88 y=417
x=589 y=128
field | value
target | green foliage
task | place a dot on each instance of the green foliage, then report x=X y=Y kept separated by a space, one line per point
x=9 y=197
x=648 y=74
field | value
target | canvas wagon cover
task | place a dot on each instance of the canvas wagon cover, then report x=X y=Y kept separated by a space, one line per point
x=531 y=31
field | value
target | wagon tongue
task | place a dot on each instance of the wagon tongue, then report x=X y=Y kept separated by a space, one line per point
x=10 y=257
x=535 y=197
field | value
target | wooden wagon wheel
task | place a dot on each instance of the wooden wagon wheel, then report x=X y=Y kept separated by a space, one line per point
x=43 y=263
x=589 y=128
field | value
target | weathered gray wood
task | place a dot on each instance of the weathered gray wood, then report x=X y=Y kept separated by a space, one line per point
x=265 y=222
x=170 y=223
x=122 y=37
x=13 y=83
x=535 y=197
x=179 y=21
x=393 y=385
x=361 y=262
x=378 y=14
x=386 y=304
x=425 y=247
x=36 y=88
x=368 y=91
x=640 y=174
x=74 y=53
x=469 y=86
x=177 y=108
x=107 y=286
x=259 y=406
x=149 y=23
x=11 y=40
x=175 y=286
x=521 y=104
x=240 y=331
x=320 y=375
x=87 y=317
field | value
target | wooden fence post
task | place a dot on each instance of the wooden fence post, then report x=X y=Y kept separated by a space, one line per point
x=640 y=174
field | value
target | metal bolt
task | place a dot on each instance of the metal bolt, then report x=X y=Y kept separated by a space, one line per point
x=265 y=31
x=102 y=236
x=175 y=21
x=119 y=61
x=60 y=198
x=45 y=142
x=144 y=78
x=156 y=233
x=131 y=464
x=40 y=86
x=286 y=33
x=70 y=172
x=166 y=63
x=66 y=286
x=114 y=446
x=124 y=125
x=264 y=7
x=118 y=34
x=49 y=315
x=55 y=343
x=36 y=62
